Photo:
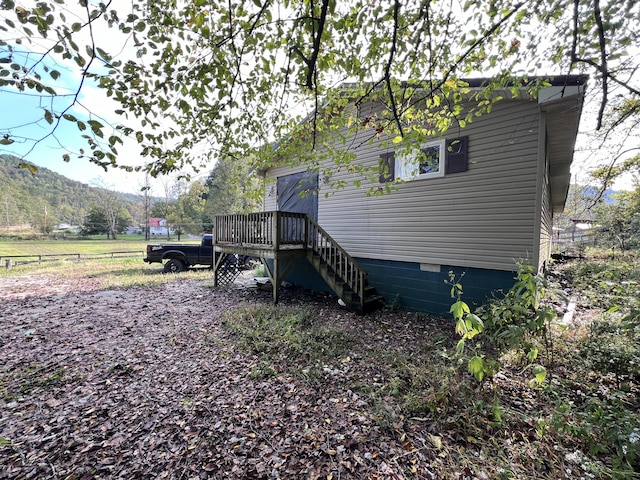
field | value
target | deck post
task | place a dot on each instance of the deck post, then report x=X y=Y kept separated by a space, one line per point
x=215 y=267
x=276 y=278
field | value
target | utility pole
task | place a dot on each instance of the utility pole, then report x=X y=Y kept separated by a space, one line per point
x=146 y=214
x=44 y=225
x=6 y=210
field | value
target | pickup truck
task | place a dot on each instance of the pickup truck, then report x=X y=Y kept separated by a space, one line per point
x=180 y=257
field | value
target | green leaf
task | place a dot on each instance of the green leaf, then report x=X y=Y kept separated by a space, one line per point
x=32 y=168
x=477 y=367
x=199 y=20
x=459 y=308
x=95 y=125
x=104 y=55
x=540 y=374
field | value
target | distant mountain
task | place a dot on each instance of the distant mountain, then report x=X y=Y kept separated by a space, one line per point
x=27 y=197
x=607 y=195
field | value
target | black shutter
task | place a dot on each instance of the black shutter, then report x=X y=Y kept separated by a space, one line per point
x=387 y=167
x=456 y=157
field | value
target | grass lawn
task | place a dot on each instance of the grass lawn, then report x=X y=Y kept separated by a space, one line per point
x=119 y=261
x=92 y=246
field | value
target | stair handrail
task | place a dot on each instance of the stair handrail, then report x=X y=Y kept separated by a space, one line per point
x=323 y=244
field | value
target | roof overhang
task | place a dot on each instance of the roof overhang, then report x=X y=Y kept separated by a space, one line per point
x=562 y=105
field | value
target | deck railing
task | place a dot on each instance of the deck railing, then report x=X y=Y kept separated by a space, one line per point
x=261 y=229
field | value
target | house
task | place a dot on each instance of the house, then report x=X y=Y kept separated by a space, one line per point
x=479 y=201
x=158 y=226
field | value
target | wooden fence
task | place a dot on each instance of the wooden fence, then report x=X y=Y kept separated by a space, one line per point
x=10 y=261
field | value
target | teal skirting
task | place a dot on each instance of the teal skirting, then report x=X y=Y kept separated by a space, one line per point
x=404 y=285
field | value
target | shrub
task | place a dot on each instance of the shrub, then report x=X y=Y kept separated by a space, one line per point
x=612 y=347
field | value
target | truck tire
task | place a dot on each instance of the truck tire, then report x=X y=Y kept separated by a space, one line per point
x=174 y=266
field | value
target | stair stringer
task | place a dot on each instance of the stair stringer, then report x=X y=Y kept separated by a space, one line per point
x=339 y=270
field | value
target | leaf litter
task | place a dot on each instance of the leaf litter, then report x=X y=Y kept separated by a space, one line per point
x=146 y=382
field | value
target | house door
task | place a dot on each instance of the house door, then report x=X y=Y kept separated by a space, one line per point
x=298 y=193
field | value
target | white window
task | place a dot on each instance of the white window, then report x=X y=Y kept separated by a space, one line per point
x=426 y=162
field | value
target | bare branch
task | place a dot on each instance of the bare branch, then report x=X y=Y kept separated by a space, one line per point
x=76 y=94
x=603 y=61
x=609 y=177
x=387 y=69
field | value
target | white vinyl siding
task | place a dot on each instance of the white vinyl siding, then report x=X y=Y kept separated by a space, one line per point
x=546 y=217
x=484 y=217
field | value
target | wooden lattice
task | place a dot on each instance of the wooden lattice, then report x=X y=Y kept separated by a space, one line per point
x=227 y=274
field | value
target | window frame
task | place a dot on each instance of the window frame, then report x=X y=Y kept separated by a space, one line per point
x=402 y=163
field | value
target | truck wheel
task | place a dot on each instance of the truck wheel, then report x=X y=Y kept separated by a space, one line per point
x=174 y=266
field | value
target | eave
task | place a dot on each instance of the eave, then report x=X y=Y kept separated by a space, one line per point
x=562 y=108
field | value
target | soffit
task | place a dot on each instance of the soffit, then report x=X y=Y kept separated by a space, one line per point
x=562 y=121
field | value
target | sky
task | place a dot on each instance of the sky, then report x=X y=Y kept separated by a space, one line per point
x=37 y=142
x=21 y=113
x=22 y=116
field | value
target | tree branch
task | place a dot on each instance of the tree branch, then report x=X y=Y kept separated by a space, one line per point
x=316 y=44
x=453 y=67
x=76 y=94
x=603 y=61
x=311 y=62
x=608 y=177
x=387 y=69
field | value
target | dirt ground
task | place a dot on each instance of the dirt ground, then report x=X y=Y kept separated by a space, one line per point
x=141 y=383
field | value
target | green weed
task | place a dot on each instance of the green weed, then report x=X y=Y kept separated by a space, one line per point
x=288 y=336
x=35 y=378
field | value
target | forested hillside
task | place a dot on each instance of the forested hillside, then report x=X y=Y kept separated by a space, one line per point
x=47 y=198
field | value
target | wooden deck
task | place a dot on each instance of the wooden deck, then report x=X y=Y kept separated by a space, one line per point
x=286 y=238
x=260 y=234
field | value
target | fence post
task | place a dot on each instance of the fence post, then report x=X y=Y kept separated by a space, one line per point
x=8 y=263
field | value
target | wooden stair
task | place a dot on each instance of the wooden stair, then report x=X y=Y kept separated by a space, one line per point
x=285 y=238
x=341 y=272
